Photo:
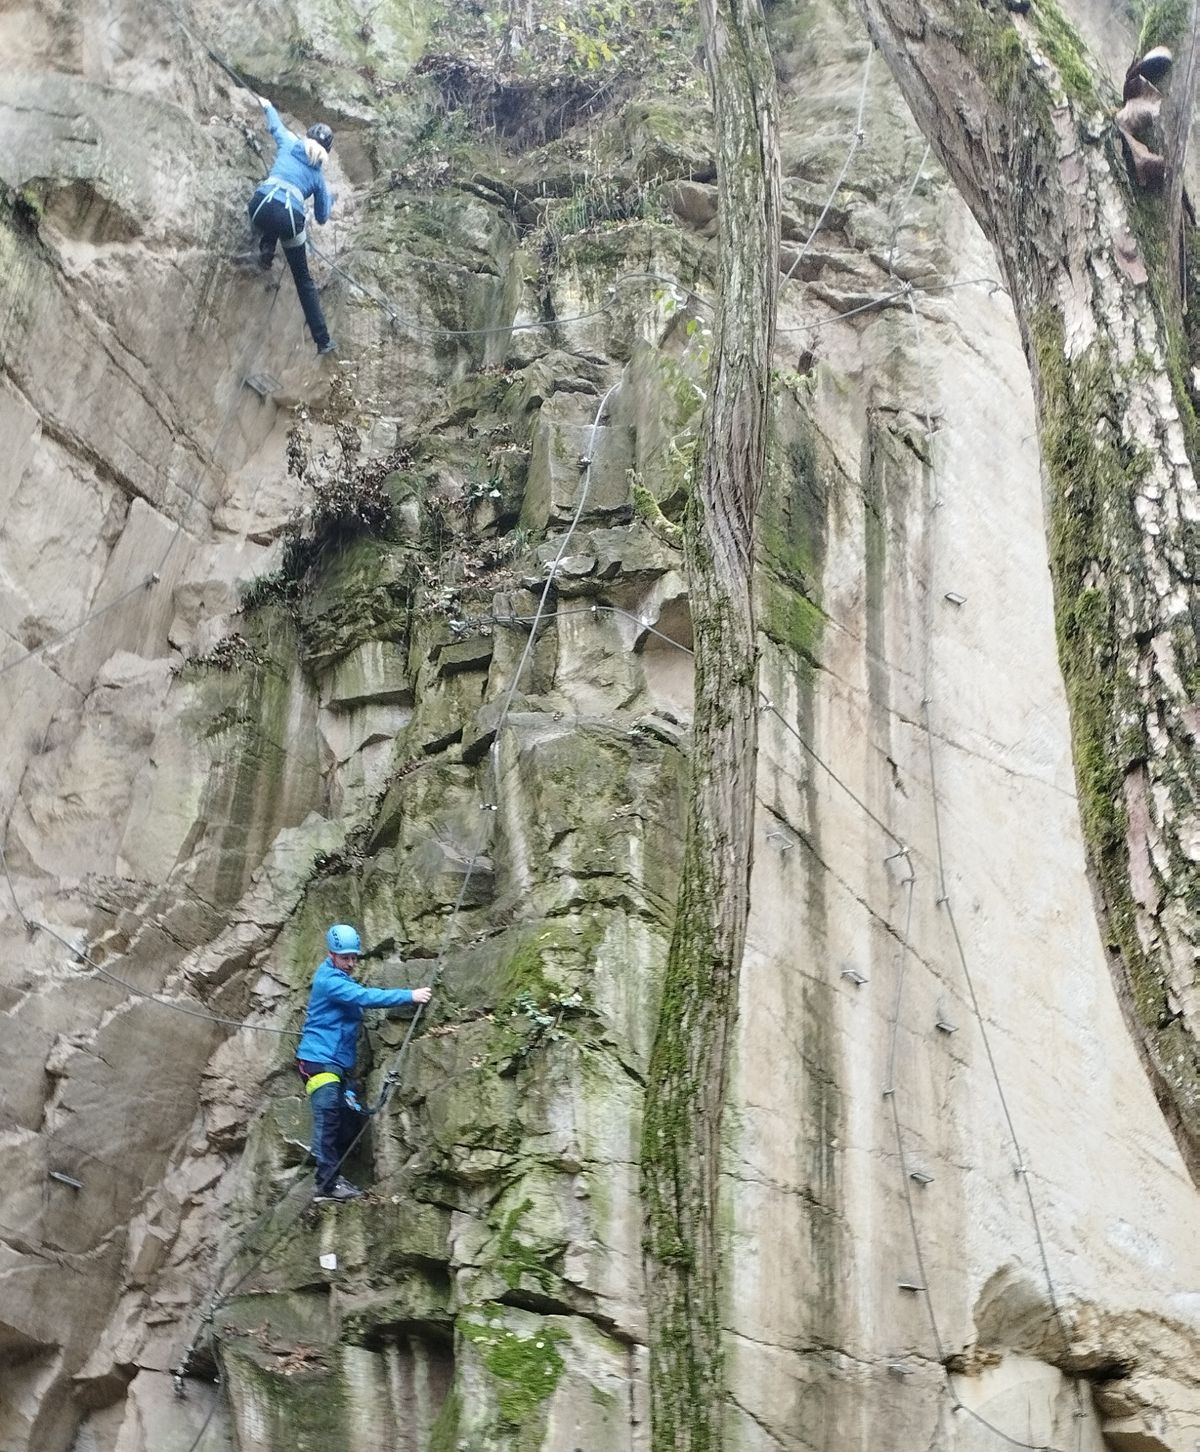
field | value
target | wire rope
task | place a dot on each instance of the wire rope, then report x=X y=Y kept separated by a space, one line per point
x=905 y=291
x=856 y=141
x=392 y=1076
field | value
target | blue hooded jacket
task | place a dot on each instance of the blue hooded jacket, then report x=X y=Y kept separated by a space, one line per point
x=293 y=167
x=335 y=1009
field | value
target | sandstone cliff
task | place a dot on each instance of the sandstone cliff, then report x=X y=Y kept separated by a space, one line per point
x=283 y=653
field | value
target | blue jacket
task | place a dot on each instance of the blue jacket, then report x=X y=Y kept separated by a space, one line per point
x=292 y=165
x=335 y=1009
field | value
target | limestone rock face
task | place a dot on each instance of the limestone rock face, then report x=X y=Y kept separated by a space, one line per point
x=404 y=640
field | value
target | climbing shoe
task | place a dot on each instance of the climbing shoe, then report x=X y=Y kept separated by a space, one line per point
x=342 y=1191
x=329 y=346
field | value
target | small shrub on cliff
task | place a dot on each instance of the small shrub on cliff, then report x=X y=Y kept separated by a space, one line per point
x=232 y=653
x=346 y=497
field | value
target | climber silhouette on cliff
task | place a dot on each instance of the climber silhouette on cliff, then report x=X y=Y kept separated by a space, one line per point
x=328 y=1048
x=278 y=209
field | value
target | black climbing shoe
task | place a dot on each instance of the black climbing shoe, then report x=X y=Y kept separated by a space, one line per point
x=342 y=1191
x=329 y=346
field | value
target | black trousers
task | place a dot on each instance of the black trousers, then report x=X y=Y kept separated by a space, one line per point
x=275 y=221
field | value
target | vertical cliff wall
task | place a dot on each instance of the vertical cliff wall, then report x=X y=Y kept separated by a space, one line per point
x=269 y=660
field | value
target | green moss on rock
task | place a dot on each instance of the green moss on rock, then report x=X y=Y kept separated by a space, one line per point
x=1093 y=477
x=443 y=1435
x=517 y=1260
x=1164 y=22
x=792 y=536
x=365 y=593
x=525 y=1368
x=303 y=1410
x=1061 y=42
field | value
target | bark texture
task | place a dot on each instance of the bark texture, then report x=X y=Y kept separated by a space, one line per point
x=688 y=1072
x=1016 y=111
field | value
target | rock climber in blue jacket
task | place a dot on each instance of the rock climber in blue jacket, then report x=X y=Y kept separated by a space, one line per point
x=277 y=209
x=328 y=1048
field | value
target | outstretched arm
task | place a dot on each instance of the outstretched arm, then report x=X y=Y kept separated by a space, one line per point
x=343 y=989
x=282 y=136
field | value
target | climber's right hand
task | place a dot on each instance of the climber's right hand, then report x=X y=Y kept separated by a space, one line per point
x=422 y=995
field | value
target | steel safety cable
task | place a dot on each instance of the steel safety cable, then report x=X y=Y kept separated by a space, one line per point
x=393 y=1074
x=904 y=291
x=769 y=705
x=895 y=1018
x=153 y=578
x=891 y=1095
x=1020 y=1167
x=908 y=196
x=899 y=292
x=551 y=577
x=856 y=141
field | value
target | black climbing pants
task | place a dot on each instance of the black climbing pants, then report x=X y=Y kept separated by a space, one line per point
x=275 y=221
x=334 y=1124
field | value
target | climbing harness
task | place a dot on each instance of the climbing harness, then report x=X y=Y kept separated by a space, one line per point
x=284 y=191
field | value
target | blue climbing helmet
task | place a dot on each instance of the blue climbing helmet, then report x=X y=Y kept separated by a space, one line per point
x=342 y=938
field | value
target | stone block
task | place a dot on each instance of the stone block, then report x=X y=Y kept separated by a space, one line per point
x=133 y=619
x=695 y=204
x=631 y=554
x=669 y=137
x=472 y=654
x=147 y=1251
x=444 y=710
x=374 y=673
x=558 y=472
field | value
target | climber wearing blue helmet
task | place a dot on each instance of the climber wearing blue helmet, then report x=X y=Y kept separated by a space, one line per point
x=328 y=1048
x=277 y=209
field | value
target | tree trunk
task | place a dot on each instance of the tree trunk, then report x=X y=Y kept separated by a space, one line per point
x=1088 y=260
x=688 y=1070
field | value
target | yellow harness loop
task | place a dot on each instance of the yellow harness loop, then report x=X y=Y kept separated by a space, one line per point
x=318 y=1081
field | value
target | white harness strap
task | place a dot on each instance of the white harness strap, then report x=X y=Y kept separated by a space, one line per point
x=285 y=192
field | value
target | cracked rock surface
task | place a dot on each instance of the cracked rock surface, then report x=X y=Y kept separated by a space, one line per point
x=268 y=661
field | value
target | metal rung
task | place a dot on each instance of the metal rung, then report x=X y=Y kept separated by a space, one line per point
x=914 y=1286
x=899 y=1368
x=955 y=598
x=855 y=977
x=264 y=384
x=66 y=1179
x=920 y=1177
x=944 y=1026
